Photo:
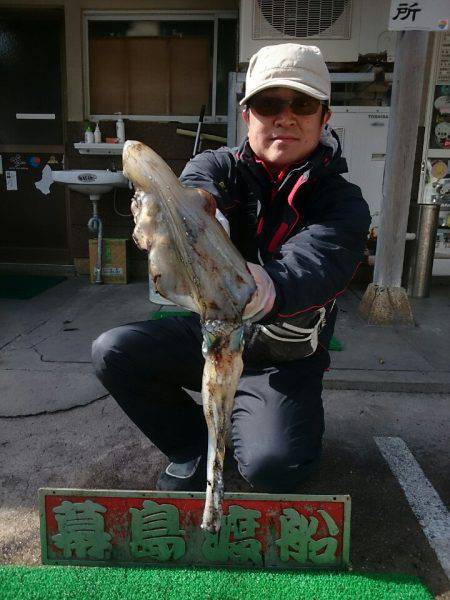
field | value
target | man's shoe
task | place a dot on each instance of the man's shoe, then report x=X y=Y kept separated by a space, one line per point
x=184 y=477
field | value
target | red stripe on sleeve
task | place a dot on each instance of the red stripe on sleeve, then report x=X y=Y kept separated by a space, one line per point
x=279 y=234
x=316 y=306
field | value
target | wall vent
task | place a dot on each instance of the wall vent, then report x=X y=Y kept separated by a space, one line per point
x=286 y=19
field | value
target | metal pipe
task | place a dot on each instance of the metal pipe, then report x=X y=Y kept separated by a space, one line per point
x=199 y=129
x=96 y=226
x=98 y=267
x=426 y=242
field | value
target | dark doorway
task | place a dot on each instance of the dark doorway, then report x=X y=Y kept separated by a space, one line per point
x=33 y=223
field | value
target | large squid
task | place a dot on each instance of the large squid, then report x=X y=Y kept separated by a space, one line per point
x=194 y=264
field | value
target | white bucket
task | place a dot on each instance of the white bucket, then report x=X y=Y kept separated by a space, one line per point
x=154 y=296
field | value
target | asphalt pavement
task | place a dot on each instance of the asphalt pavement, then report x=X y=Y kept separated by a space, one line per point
x=60 y=428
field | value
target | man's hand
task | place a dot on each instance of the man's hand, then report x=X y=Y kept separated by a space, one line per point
x=264 y=296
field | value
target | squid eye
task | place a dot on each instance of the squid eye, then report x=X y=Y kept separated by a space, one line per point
x=236 y=338
x=211 y=340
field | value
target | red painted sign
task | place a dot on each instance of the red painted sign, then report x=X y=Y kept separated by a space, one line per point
x=135 y=528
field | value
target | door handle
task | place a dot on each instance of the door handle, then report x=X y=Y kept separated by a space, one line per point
x=36 y=116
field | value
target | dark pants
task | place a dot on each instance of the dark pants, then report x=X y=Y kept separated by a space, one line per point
x=277 y=420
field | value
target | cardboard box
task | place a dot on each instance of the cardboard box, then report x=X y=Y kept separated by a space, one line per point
x=114 y=260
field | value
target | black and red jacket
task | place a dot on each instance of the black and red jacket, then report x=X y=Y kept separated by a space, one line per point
x=308 y=226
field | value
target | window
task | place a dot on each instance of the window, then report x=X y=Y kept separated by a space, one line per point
x=159 y=66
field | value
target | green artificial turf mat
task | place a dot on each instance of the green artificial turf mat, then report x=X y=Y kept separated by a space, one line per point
x=23 y=287
x=100 y=583
x=335 y=345
x=162 y=314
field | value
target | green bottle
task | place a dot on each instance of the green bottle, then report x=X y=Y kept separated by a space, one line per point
x=88 y=135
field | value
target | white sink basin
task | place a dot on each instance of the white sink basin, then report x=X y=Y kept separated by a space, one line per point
x=89 y=181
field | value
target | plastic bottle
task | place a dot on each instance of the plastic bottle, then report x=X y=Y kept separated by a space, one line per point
x=97 y=135
x=120 y=130
x=88 y=135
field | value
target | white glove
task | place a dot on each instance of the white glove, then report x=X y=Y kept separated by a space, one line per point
x=264 y=296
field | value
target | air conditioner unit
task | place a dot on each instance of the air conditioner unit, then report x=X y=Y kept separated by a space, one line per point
x=342 y=29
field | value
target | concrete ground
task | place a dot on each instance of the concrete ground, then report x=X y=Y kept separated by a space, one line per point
x=59 y=427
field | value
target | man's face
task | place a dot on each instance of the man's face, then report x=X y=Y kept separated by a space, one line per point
x=286 y=137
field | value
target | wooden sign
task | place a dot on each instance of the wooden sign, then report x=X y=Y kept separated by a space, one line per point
x=129 y=528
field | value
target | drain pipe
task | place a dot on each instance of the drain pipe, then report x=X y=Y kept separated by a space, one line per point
x=423 y=263
x=96 y=226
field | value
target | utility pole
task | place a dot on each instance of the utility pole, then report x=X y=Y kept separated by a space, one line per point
x=385 y=302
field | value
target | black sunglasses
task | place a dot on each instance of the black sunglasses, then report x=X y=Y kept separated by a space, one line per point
x=269 y=106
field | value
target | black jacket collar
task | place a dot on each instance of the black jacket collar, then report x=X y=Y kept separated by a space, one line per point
x=321 y=163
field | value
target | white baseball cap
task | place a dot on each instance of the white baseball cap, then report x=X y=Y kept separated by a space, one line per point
x=294 y=66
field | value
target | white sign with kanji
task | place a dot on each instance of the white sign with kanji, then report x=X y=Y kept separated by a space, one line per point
x=426 y=15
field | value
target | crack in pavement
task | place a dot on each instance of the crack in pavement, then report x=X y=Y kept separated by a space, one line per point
x=67 y=362
x=45 y=361
x=63 y=362
x=384 y=371
x=10 y=341
x=54 y=412
x=24 y=333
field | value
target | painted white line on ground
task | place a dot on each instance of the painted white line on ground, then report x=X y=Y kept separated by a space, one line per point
x=421 y=495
